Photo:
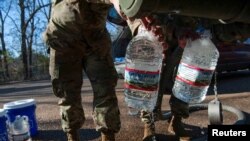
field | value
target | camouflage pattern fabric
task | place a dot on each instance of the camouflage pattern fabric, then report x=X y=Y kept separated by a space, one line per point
x=79 y=41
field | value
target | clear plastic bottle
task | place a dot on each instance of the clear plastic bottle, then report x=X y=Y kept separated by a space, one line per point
x=19 y=130
x=195 y=70
x=142 y=71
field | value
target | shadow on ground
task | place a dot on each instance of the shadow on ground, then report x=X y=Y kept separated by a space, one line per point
x=14 y=89
x=58 y=135
x=194 y=131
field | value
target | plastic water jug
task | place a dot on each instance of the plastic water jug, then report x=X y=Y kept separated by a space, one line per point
x=19 y=129
x=143 y=62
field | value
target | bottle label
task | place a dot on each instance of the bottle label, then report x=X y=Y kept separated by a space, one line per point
x=141 y=80
x=193 y=75
x=20 y=137
x=137 y=94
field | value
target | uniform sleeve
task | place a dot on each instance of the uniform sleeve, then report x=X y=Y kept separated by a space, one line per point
x=100 y=1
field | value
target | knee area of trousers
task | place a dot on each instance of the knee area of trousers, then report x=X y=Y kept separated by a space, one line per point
x=57 y=88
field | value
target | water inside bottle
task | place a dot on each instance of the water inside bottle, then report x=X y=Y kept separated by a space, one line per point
x=142 y=72
x=19 y=129
x=133 y=111
x=195 y=70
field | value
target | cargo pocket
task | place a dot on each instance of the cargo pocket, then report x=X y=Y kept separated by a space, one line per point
x=54 y=73
x=59 y=45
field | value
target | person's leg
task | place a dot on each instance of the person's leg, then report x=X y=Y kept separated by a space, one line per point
x=179 y=110
x=66 y=75
x=162 y=88
x=103 y=77
x=148 y=119
x=62 y=36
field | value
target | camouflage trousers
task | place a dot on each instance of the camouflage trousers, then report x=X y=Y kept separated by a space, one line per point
x=66 y=70
x=79 y=42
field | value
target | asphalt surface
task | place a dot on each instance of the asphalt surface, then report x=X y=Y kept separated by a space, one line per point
x=233 y=90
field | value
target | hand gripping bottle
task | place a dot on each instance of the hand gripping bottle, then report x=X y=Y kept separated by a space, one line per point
x=195 y=70
x=142 y=71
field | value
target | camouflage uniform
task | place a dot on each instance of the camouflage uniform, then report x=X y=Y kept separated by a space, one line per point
x=79 y=41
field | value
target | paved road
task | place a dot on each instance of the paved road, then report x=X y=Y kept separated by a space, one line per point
x=233 y=89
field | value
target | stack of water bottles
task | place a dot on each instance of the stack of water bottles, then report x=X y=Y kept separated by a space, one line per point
x=142 y=71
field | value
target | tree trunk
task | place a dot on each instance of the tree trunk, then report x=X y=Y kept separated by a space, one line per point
x=30 y=48
x=2 y=76
x=27 y=70
x=4 y=51
x=5 y=62
x=23 y=40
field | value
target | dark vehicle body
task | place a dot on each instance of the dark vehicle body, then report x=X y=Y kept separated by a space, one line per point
x=233 y=57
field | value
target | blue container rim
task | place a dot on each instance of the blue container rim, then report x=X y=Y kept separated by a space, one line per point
x=2 y=112
x=19 y=104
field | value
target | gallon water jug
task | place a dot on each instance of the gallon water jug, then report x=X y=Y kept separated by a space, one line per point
x=142 y=71
x=19 y=130
x=195 y=70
